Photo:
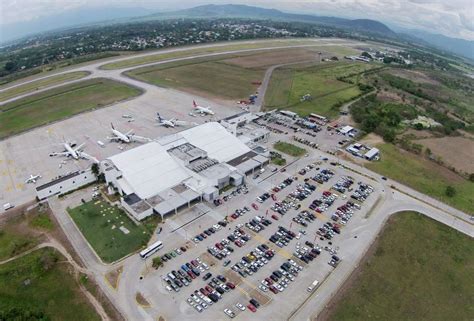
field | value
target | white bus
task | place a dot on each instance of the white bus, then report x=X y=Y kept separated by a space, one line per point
x=313 y=286
x=151 y=249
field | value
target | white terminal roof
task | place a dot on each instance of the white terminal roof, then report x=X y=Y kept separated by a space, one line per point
x=213 y=138
x=148 y=169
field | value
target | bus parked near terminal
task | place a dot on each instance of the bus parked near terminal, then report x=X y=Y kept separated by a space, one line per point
x=151 y=249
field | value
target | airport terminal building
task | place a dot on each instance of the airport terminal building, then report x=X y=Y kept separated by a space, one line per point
x=175 y=171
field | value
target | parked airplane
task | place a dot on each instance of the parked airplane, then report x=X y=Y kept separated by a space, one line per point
x=202 y=110
x=76 y=152
x=127 y=137
x=32 y=179
x=171 y=122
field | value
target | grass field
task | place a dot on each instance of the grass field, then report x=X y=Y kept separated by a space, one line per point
x=13 y=243
x=420 y=270
x=40 y=84
x=289 y=84
x=289 y=149
x=200 y=51
x=224 y=80
x=424 y=176
x=60 y=103
x=38 y=286
x=99 y=223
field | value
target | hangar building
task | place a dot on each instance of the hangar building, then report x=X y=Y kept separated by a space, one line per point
x=178 y=170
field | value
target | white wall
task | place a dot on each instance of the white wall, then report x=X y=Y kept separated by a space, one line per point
x=75 y=182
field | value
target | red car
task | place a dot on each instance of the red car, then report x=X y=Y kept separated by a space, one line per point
x=251 y=308
x=269 y=281
x=238 y=243
x=230 y=285
x=219 y=246
x=273 y=289
x=208 y=289
x=275 y=217
x=274 y=197
x=255 y=206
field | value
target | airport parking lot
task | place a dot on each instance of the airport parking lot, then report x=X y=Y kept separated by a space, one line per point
x=290 y=289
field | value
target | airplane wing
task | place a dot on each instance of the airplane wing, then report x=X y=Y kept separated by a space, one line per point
x=59 y=154
x=185 y=123
x=113 y=138
x=141 y=139
x=88 y=157
x=130 y=132
x=79 y=147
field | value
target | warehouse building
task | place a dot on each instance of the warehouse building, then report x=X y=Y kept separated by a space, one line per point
x=178 y=170
x=372 y=154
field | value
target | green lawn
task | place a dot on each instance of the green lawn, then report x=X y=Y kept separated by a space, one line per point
x=38 y=286
x=40 y=84
x=99 y=223
x=60 y=103
x=424 y=176
x=13 y=243
x=289 y=149
x=420 y=270
x=224 y=80
x=289 y=84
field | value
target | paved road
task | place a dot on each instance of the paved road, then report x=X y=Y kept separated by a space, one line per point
x=393 y=200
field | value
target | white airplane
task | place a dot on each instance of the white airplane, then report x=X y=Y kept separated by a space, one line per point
x=76 y=152
x=202 y=110
x=127 y=137
x=32 y=179
x=171 y=122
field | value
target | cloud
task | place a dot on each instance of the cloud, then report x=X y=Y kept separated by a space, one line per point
x=449 y=17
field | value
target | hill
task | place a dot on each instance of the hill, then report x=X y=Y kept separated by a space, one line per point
x=244 y=11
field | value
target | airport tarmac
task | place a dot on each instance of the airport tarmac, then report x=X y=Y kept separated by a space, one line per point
x=28 y=153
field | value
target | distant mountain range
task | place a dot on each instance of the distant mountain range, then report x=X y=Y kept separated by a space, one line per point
x=243 y=11
x=455 y=45
x=104 y=16
x=68 y=19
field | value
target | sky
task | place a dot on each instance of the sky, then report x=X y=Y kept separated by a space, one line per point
x=454 y=18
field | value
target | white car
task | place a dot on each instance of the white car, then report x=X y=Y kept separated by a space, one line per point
x=198 y=308
x=240 y=307
x=229 y=312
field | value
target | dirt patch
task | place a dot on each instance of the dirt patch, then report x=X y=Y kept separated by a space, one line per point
x=415 y=76
x=389 y=97
x=262 y=298
x=208 y=259
x=233 y=277
x=141 y=299
x=457 y=152
x=419 y=134
x=273 y=58
x=371 y=139
x=113 y=277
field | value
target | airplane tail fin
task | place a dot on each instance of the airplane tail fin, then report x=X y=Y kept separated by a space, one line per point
x=112 y=125
x=159 y=117
x=194 y=104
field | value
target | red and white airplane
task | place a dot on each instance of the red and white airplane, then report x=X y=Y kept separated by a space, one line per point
x=202 y=110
